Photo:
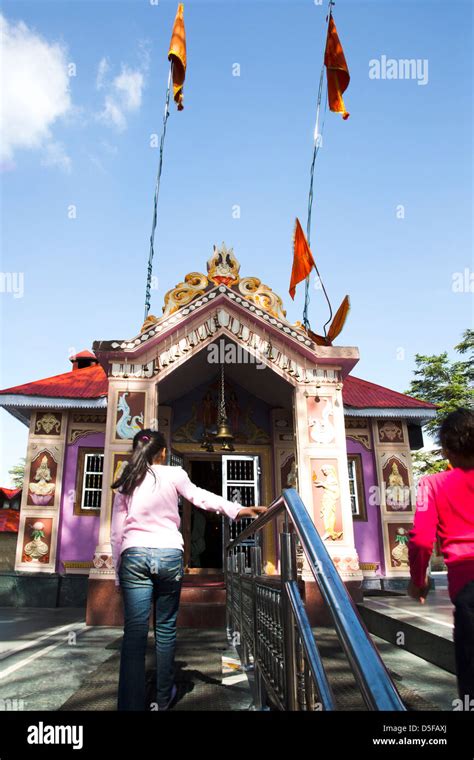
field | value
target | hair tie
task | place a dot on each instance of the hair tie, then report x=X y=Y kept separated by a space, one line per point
x=145 y=438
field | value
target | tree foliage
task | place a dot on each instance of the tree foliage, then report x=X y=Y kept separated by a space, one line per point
x=17 y=473
x=447 y=383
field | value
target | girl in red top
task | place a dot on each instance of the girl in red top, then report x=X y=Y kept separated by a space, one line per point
x=445 y=508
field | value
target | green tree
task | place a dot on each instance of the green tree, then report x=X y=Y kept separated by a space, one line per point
x=17 y=473
x=448 y=384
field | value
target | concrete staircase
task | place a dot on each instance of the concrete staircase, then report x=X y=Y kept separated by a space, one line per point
x=202 y=601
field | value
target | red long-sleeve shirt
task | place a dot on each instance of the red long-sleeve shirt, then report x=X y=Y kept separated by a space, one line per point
x=444 y=507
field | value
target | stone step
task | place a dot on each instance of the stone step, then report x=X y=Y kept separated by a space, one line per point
x=203 y=601
x=425 y=635
x=202 y=595
x=202 y=615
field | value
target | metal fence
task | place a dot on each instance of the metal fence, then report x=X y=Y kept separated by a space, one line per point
x=267 y=617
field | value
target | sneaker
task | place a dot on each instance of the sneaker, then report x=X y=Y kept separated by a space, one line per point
x=174 y=691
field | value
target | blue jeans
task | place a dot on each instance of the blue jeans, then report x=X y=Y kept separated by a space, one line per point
x=148 y=576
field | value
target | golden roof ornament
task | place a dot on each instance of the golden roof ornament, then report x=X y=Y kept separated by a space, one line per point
x=223 y=268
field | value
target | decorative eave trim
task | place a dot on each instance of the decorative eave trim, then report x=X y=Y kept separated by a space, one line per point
x=51 y=402
x=421 y=415
x=194 y=307
x=219 y=298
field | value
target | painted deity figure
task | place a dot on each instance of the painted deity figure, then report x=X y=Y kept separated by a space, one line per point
x=331 y=491
x=37 y=548
x=322 y=430
x=396 y=491
x=234 y=411
x=291 y=477
x=208 y=410
x=42 y=491
x=400 y=551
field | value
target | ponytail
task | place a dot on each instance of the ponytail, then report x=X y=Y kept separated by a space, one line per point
x=146 y=445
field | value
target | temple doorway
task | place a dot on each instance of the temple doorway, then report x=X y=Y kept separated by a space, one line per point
x=234 y=476
x=203 y=529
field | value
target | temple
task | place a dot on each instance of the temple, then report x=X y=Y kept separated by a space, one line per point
x=249 y=405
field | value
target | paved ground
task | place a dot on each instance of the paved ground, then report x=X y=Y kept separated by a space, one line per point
x=45 y=655
x=422 y=686
x=49 y=660
x=436 y=687
x=208 y=676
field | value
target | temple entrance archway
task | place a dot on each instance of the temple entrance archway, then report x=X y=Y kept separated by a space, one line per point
x=188 y=410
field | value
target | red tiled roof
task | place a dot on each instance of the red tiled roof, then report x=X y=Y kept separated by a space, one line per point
x=9 y=520
x=10 y=493
x=86 y=354
x=364 y=395
x=89 y=382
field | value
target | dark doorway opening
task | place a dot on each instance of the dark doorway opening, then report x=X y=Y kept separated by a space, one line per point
x=206 y=527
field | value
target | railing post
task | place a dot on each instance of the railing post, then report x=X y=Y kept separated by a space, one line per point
x=243 y=644
x=260 y=692
x=288 y=573
x=229 y=575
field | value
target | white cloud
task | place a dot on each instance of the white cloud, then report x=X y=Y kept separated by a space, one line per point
x=102 y=73
x=123 y=94
x=54 y=154
x=130 y=85
x=35 y=93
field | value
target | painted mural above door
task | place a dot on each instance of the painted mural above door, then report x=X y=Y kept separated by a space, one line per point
x=196 y=412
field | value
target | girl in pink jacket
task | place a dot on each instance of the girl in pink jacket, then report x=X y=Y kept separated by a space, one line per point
x=147 y=551
x=445 y=508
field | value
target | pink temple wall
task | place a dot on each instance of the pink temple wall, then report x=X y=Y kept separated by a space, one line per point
x=78 y=535
x=368 y=534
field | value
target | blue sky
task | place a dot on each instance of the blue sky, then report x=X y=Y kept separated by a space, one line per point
x=241 y=140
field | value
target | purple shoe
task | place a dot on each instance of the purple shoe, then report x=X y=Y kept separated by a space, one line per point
x=174 y=691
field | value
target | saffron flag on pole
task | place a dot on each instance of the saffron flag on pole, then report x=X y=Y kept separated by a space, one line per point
x=177 y=56
x=336 y=325
x=339 y=319
x=336 y=70
x=303 y=261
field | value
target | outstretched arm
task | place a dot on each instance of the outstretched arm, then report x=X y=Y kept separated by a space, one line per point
x=211 y=501
x=422 y=538
x=119 y=514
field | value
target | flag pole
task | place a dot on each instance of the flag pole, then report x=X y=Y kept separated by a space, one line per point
x=157 y=191
x=316 y=146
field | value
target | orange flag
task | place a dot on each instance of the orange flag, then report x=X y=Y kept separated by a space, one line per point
x=303 y=261
x=335 y=327
x=339 y=319
x=336 y=69
x=177 y=54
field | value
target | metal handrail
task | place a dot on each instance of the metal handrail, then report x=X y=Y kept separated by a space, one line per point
x=370 y=673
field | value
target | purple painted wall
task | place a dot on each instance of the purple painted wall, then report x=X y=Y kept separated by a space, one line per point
x=368 y=534
x=77 y=538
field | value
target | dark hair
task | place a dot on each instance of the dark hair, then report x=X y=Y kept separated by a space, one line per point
x=456 y=434
x=146 y=445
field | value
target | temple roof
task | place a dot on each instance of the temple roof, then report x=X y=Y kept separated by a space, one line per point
x=9 y=520
x=91 y=383
x=361 y=394
x=86 y=354
x=10 y=493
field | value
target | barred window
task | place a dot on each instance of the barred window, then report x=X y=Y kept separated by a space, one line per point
x=356 y=487
x=89 y=481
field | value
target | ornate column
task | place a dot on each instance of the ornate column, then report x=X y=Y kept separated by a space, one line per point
x=395 y=494
x=131 y=406
x=322 y=469
x=41 y=497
